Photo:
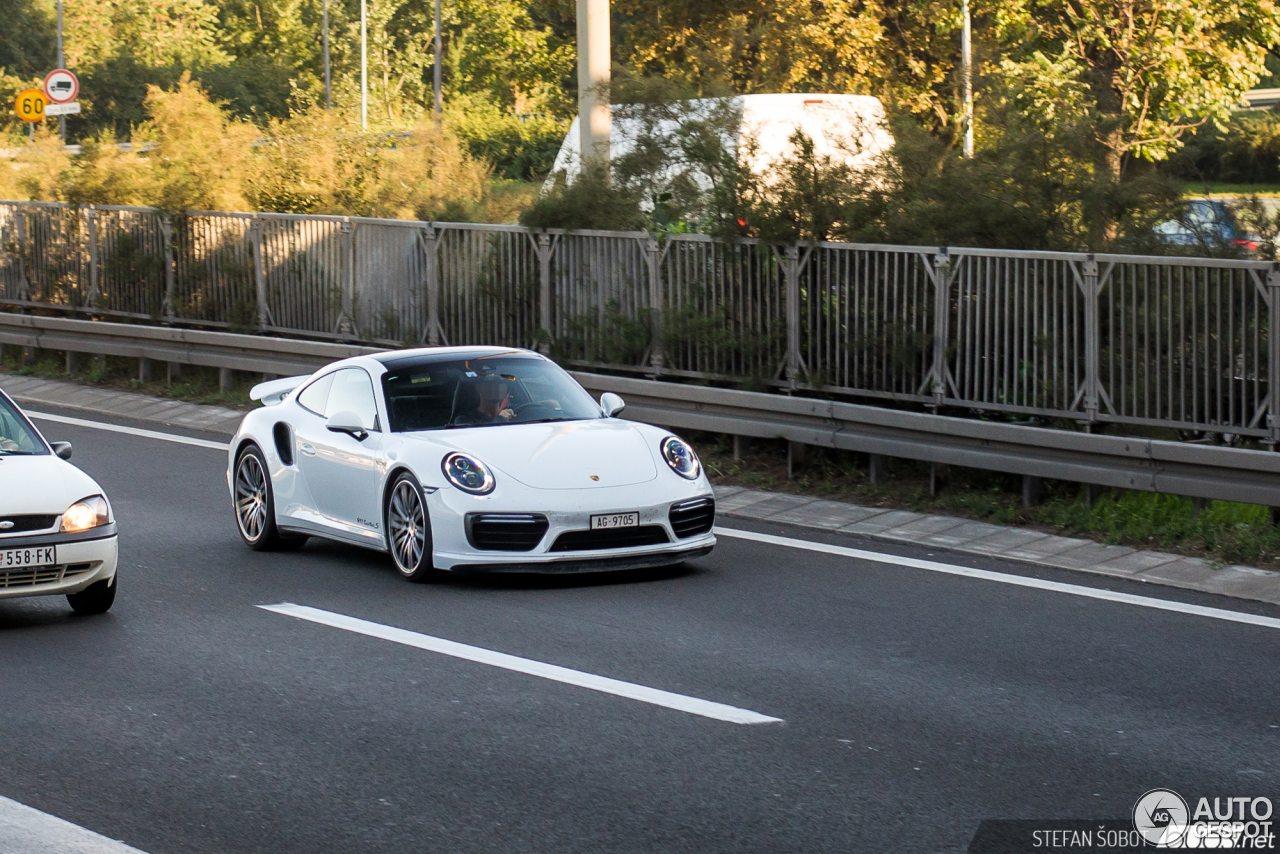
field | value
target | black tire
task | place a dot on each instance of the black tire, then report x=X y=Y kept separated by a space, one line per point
x=254 y=504
x=408 y=526
x=97 y=598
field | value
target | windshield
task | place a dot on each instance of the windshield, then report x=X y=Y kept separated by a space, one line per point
x=483 y=392
x=16 y=435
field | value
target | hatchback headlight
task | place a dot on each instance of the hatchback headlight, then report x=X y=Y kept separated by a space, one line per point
x=91 y=512
x=680 y=457
x=468 y=474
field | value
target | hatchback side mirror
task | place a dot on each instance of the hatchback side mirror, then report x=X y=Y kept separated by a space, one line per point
x=349 y=423
x=62 y=449
x=611 y=404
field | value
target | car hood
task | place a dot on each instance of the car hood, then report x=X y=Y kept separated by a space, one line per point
x=564 y=455
x=41 y=484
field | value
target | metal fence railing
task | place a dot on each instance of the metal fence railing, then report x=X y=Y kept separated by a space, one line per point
x=1183 y=343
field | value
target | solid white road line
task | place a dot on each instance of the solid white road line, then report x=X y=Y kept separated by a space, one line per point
x=24 y=830
x=1004 y=578
x=604 y=684
x=132 y=431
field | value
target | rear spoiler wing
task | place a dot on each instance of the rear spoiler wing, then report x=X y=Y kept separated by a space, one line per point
x=271 y=393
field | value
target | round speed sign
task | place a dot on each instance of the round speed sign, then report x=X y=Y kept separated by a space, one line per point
x=29 y=105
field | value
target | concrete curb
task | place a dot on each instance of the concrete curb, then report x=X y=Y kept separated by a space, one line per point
x=32 y=392
x=981 y=538
x=944 y=532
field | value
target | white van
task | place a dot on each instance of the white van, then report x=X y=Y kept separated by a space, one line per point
x=850 y=128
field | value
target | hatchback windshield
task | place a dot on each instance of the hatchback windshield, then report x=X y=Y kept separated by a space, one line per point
x=483 y=392
x=16 y=435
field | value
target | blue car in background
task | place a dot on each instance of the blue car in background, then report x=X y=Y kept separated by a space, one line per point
x=1207 y=223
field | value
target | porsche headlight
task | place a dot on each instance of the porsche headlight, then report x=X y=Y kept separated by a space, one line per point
x=91 y=512
x=468 y=474
x=680 y=457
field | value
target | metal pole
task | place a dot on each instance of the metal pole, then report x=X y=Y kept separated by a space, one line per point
x=62 y=120
x=1089 y=273
x=328 y=87
x=430 y=243
x=791 y=269
x=593 y=80
x=966 y=68
x=545 y=319
x=364 y=69
x=1273 y=357
x=439 y=96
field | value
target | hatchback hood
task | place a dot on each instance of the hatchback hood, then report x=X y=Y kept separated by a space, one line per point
x=564 y=455
x=41 y=484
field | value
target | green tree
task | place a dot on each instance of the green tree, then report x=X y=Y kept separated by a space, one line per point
x=154 y=32
x=1145 y=71
x=28 y=48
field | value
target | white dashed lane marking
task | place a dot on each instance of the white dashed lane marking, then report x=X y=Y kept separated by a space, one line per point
x=603 y=684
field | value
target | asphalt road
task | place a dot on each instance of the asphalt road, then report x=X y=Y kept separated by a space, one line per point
x=915 y=704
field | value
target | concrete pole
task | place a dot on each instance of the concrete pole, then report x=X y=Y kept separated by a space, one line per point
x=966 y=69
x=594 y=118
x=436 y=74
x=328 y=83
x=364 y=68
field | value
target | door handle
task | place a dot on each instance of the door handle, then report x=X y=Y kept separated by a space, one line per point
x=308 y=449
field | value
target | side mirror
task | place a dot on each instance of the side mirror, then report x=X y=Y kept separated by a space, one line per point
x=62 y=449
x=347 y=422
x=611 y=404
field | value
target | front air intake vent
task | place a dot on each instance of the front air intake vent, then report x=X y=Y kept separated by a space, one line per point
x=610 y=538
x=691 y=518
x=506 y=532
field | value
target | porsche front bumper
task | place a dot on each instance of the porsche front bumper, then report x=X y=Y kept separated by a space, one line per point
x=456 y=550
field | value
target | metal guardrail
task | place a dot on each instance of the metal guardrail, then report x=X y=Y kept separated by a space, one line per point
x=183 y=346
x=1175 y=468
x=1154 y=342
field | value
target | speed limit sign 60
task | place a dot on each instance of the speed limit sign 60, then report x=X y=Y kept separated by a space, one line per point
x=30 y=105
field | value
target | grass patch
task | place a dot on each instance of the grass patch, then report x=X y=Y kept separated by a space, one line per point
x=1222 y=532
x=195 y=383
x=1200 y=191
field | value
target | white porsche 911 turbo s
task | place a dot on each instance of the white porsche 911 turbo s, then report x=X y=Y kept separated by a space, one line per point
x=57 y=532
x=470 y=459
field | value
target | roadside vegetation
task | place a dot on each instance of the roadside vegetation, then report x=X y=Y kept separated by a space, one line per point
x=1088 y=129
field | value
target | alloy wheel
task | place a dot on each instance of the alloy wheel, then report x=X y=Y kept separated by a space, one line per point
x=407 y=524
x=251 y=497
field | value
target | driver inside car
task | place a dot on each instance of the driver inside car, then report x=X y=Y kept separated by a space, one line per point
x=494 y=405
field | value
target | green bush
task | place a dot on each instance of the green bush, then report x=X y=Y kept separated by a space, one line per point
x=594 y=200
x=517 y=147
x=1247 y=151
